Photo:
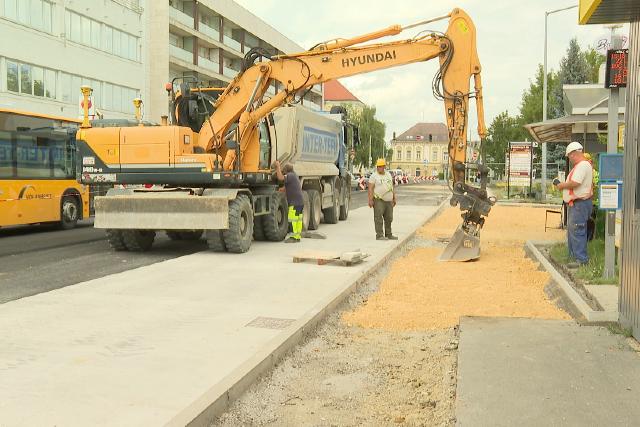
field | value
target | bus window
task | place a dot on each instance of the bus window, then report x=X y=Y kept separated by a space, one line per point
x=33 y=157
x=6 y=155
x=63 y=154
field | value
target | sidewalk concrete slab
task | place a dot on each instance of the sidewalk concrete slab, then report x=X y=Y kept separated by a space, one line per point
x=526 y=372
x=160 y=344
x=606 y=295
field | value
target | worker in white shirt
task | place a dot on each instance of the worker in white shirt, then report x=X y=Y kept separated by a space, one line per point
x=577 y=193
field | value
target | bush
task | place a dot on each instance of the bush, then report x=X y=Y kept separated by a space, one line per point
x=440 y=175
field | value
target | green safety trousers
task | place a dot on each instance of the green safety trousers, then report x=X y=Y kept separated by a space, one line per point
x=295 y=218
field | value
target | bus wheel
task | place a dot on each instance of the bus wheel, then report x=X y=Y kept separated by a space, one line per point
x=69 y=212
x=138 y=240
x=114 y=237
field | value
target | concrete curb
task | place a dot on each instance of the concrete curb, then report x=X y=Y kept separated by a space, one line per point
x=589 y=314
x=215 y=401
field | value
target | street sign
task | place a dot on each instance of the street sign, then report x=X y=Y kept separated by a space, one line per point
x=617 y=69
x=520 y=163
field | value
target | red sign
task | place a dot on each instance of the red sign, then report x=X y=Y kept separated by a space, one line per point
x=617 y=69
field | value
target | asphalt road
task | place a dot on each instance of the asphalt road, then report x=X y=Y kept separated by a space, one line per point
x=39 y=259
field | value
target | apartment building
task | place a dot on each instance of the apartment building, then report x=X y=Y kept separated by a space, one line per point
x=52 y=47
x=422 y=149
x=124 y=49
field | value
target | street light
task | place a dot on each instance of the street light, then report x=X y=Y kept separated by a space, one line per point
x=544 y=100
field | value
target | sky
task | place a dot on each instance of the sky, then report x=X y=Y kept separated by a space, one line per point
x=510 y=39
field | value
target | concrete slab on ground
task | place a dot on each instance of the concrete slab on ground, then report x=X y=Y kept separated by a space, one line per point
x=528 y=372
x=606 y=295
x=161 y=343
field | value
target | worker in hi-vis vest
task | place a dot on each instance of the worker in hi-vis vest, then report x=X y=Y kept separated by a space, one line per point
x=382 y=198
x=577 y=192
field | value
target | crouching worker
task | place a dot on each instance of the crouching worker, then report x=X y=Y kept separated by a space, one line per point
x=293 y=190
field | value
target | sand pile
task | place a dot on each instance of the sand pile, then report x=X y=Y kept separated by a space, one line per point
x=422 y=293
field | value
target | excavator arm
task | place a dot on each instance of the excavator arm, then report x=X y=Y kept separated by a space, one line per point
x=243 y=103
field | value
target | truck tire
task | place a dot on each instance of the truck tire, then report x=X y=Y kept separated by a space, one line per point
x=69 y=212
x=114 y=237
x=305 y=211
x=332 y=213
x=276 y=223
x=315 y=209
x=138 y=240
x=238 y=237
x=345 y=205
x=258 y=229
x=215 y=241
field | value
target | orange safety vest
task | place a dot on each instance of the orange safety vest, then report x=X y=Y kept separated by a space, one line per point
x=572 y=194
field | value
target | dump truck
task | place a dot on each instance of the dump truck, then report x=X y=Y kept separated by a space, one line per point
x=214 y=171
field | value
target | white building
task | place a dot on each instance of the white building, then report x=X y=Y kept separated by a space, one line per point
x=52 y=47
x=123 y=49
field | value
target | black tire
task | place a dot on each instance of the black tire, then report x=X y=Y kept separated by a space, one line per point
x=276 y=223
x=69 y=212
x=138 y=240
x=306 y=211
x=315 y=209
x=239 y=235
x=258 y=229
x=332 y=213
x=345 y=205
x=173 y=234
x=115 y=239
x=215 y=241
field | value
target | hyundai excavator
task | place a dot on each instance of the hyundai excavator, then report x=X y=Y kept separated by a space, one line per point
x=218 y=178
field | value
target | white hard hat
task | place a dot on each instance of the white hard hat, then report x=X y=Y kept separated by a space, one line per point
x=573 y=146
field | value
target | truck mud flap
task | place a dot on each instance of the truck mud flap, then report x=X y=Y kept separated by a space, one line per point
x=165 y=211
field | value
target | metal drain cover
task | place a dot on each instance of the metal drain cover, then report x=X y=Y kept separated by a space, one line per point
x=270 y=323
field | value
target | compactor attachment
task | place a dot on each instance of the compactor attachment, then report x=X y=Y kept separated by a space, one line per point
x=463 y=246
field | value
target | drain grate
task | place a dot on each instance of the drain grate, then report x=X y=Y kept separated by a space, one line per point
x=270 y=323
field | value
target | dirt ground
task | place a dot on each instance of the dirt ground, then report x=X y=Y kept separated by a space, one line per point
x=390 y=357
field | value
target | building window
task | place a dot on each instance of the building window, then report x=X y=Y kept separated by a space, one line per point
x=26 y=85
x=408 y=154
x=32 y=13
x=434 y=154
x=87 y=31
x=445 y=156
x=399 y=155
x=418 y=155
x=13 y=84
x=430 y=138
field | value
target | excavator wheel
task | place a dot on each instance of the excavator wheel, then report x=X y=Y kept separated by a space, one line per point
x=215 y=241
x=114 y=237
x=138 y=240
x=332 y=213
x=276 y=223
x=238 y=237
x=258 y=229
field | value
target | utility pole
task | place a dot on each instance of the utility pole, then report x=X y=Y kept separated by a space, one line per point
x=612 y=148
x=544 y=101
x=369 y=151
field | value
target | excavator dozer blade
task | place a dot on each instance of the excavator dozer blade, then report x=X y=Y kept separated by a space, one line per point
x=461 y=247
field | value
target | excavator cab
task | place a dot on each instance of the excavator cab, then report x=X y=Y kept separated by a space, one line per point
x=190 y=103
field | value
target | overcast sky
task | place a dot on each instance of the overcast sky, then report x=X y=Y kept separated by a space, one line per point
x=510 y=38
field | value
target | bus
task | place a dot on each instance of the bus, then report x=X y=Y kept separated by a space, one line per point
x=38 y=171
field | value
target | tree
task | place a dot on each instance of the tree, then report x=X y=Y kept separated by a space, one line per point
x=371 y=130
x=573 y=70
x=594 y=60
x=503 y=129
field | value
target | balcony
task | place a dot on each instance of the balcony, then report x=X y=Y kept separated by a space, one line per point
x=232 y=43
x=208 y=64
x=180 y=53
x=208 y=31
x=229 y=72
x=181 y=17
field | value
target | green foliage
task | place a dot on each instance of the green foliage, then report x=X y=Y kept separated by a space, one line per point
x=503 y=129
x=574 y=69
x=371 y=130
x=617 y=329
x=594 y=60
x=593 y=270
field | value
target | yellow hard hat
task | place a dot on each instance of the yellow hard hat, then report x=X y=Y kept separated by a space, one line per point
x=381 y=162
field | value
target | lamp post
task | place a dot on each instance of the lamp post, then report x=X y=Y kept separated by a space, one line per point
x=544 y=99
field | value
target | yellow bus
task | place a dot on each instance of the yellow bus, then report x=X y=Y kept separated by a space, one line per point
x=38 y=171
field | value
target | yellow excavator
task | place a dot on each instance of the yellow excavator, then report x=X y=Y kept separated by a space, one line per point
x=214 y=174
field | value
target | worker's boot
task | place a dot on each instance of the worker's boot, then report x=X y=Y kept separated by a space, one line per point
x=391 y=237
x=292 y=240
x=381 y=237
